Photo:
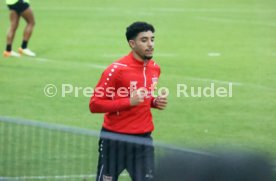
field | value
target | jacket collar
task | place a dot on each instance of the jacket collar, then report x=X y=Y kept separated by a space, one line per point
x=136 y=61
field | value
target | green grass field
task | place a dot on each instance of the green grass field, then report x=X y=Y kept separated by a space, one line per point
x=196 y=43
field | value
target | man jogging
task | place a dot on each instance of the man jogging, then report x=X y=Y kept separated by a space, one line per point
x=124 y=94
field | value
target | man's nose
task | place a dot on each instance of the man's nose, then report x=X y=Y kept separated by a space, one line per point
x=150 y=43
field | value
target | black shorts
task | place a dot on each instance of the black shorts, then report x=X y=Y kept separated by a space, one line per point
x=19 y=7
x=116 y=155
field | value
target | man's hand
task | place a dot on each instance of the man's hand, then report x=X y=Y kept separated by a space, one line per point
x=136 y=97
x=161 y=102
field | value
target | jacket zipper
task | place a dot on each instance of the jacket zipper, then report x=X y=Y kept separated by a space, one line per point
x=145 y=77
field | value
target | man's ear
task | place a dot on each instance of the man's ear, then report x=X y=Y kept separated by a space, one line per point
x=131 y=43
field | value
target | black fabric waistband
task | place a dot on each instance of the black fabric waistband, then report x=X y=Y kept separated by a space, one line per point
x=148 y=134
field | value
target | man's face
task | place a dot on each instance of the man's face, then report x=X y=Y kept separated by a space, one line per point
x=143 y=45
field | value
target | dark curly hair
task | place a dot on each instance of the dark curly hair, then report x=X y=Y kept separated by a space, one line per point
x=135 y=28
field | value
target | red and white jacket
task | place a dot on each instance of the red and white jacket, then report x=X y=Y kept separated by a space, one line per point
x=110 y=95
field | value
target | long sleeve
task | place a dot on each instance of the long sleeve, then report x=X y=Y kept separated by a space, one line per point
x=102 y=100
x=104 y=105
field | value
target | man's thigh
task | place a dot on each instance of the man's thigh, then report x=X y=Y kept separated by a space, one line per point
x=140 y=161
x=111 y=160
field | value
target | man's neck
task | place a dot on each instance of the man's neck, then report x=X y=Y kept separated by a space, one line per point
x=137 y=57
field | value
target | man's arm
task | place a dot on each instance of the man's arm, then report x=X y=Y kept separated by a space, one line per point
x=106 y=105
x=102 y=100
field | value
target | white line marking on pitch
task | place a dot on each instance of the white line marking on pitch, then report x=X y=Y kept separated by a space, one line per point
x=217 y=10
x=47 y=177
x=155 y=10
x=96 y=66
x=52 y=177
x=155 y=55
x=215 y=81
x=224 y=20
x=233 y=83
x=214 y=54
x=113 y=55
x=42 y=59
x=165 y=55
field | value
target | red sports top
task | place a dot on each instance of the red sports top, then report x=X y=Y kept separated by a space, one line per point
x=112 y=95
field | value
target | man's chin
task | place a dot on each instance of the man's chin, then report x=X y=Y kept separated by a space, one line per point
x=148 y=57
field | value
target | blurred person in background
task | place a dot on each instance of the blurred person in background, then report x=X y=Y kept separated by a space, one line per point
x=19 y=8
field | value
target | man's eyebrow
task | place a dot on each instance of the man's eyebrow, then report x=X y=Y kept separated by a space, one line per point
x=146 y=37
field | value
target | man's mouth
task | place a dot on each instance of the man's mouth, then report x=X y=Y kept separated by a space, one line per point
x=149 y=50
